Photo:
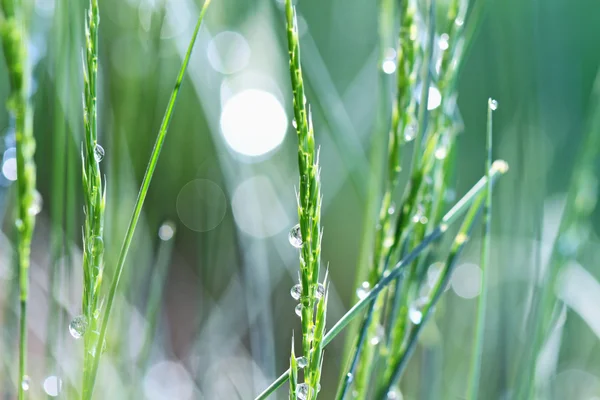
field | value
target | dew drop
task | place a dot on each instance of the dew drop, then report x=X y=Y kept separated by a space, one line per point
x=493 y=104
x=443 y=41
x=19 y=223
x=295 y=237
x=98 y=153
x=459 y=21
x=294 y=124
x=394 y=394
x=441 y=153
x=296 y=291
x=36 y=205
x=302 y=391
x=419 y=215
x=298 y=310
x=349 y=377
x=78 y=326
x=378 y=337
x=410 y=132
x=166 y=231
x=26 y=382
x=302 y=362
x=320 y=291
x=415 y=311
x=363 y=290
x=392 y=208
x=96 y=245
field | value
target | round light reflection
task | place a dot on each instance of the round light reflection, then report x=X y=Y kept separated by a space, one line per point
x=228 y=52
x=466 y=281
x=253 y=122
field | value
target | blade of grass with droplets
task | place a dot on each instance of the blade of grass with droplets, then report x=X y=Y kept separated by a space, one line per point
x=475 y=371
x=140 y=202
x=364 y=362
x=94 y=196
x=458 y=245
x=477 y=191
x=309 y=215
x=13 y=33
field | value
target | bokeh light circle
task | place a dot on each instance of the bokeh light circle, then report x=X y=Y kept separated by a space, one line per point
x=201 y=205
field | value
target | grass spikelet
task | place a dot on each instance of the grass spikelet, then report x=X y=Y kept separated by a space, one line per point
x=309 y=216
x=93 y=194
x=90 y=382
x=13 y=32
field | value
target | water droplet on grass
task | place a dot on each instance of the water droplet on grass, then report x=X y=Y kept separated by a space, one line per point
x=415 y=311
x=26 y=383
x=296 y=291
x=96 y=245
x=302 y=362
x=302 y=391
x=410 y=132
x=378 y=337
x=320 y=291
x=493 y=104
x=298 y=310
x=166 y=231
x=78 y=326
x=363 y=290
x=98 y=153
x=36 y=205
x=441 y=152
x=349 y=377
x=295 y=237
x=443 y=41
x=394 y=394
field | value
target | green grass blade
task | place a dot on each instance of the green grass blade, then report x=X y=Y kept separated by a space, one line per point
x=13 y=33
x=476 y=356
x=476 y=194
x=140 y=202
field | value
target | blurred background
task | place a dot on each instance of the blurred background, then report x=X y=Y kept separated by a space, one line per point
x=204 y=309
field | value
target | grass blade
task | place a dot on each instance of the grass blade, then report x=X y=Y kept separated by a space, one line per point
x=140 y=202
x=476 y=356
x=13 y=32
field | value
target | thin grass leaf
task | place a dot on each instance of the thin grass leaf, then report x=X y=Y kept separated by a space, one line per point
x=140 y=202
x=13 y=33
x=293 y=375
x=476 y=356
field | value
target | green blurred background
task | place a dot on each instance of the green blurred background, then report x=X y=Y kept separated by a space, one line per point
x=226 y=181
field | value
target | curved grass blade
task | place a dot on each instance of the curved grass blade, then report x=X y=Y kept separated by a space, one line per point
x=140 y=202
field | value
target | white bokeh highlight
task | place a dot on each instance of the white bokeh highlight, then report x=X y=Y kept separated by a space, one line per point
x=466 y=280
x=257 y=209
x=228 y=52
x=253 y=122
